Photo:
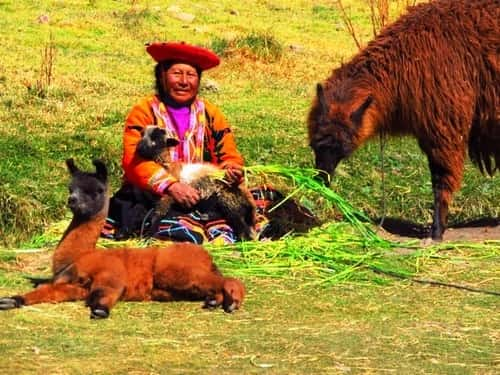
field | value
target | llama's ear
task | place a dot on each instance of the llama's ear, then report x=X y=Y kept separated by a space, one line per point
x=172 y=142
x=357 y=115
x=101 y=170
x=323 y=106
x=72 y=168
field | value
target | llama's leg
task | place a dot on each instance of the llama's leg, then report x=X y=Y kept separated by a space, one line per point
x=234 y=293
x=446 y=174
x=159 y=212
x=213 y=301
x=106 y=290
x=126 y=229
x=51 y=293
x=216 y=298
x=236 y=212
x=194 y=282
x=208 y=286
x=231 y=297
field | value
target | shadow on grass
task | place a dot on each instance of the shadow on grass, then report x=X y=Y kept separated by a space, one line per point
x=406 y=228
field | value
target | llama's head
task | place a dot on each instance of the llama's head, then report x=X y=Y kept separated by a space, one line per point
x=154 y=142
x=338 y=123
x=87 y=190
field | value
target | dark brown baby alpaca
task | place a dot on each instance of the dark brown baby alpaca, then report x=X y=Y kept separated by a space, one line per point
x=232 y=202
x=181 y=271
x=433 y=74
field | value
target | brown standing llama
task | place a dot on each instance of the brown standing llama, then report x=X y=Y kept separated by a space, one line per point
x=433 y=74
x=182 y=271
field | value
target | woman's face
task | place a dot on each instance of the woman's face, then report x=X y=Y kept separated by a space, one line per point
x=181 y=82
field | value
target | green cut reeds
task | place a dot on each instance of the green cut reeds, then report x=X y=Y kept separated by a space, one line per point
x=326 y=255
x=337 y=251
x=307 y=179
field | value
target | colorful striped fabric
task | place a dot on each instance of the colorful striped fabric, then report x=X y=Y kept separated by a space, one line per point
x=197 y=227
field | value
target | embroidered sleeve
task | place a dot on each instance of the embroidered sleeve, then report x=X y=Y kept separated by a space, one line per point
x=220 y=144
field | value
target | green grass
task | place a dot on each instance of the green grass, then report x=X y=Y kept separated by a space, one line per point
x=282 y=329
x=297 y=318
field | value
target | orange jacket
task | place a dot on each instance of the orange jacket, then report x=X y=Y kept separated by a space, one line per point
x=219 y=147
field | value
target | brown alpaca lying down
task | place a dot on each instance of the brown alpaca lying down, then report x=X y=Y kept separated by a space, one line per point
x=181 y=271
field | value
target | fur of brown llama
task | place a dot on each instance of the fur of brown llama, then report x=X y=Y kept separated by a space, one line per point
x=181 y=271
x=433 y=74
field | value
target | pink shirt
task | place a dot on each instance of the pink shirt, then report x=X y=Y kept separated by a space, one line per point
x=180 y=118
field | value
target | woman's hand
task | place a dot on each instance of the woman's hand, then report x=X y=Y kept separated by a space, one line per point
x=183 y=194
x=234 y=174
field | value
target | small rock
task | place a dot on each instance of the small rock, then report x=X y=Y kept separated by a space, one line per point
x=43 y=19
x=184 y=17
x=296 y=48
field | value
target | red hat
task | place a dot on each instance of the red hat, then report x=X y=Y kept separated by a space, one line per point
x=198 y=57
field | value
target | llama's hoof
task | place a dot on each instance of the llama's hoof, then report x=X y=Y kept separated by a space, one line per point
x=8 y=303
x=437 y=233
x=101 y=312
x=437 y=237
x=230 y=308
x=210 y=304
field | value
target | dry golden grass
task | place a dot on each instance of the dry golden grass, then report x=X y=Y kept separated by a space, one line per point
x=282 y=328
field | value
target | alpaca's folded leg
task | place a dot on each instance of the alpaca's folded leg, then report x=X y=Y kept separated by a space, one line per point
x=213 y=301
x=229 y=294
x=7 y=303
x=208 y=286
x=105 y=291
x=101 y=300
x=51 y=293
x=234 y=293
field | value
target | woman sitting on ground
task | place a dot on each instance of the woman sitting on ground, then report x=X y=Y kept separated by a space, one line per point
x=203 y=135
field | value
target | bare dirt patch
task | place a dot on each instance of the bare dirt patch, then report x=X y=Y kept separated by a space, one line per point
x=480 y=230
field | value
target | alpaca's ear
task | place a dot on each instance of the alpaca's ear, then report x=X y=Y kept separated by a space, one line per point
x=172 y=142
x=101 y=170
x=323 y=105
x=72 y=168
